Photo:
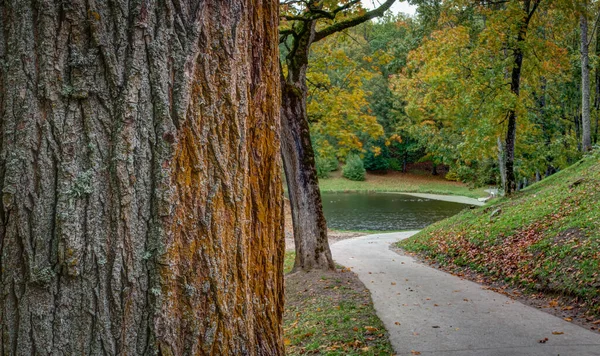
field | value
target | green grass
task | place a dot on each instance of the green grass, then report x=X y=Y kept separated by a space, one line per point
x=398 y=182
x=546 y=238
x=330 y=313
x=288 y=261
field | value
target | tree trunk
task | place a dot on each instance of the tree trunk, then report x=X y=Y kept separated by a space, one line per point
x=141 y=208
x=586 y=141
x=597 y=93
x=502 y=163
x=529 y=8
x=310 y=227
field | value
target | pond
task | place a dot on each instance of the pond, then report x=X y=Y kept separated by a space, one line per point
x=384 y=211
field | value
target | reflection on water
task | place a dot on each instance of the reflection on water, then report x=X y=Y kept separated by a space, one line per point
x=384 y=211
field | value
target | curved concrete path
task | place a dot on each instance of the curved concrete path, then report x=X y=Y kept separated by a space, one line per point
x=428 y=311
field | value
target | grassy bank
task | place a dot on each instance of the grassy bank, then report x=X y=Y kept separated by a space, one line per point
x=544 y=240
x=399 y=182
x=330 y=313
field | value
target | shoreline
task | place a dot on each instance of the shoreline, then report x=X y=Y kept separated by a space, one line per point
x=449 y=198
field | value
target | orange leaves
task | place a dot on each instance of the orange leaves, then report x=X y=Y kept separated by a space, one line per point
x=371 y=329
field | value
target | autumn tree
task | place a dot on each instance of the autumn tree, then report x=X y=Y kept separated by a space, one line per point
x=304 y=23
x=341 y=120
x=528 y=9
x=141 y=208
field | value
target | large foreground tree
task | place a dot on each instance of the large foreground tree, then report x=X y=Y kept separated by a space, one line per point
x=303 y=24
x=141 y=209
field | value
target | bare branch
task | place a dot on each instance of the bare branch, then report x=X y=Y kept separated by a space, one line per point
x=340 y=26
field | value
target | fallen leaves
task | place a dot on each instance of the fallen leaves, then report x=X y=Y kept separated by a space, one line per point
x=413 y=352
x=568 y=319
x=557 y=333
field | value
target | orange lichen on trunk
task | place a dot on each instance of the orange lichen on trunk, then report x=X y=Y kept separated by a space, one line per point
x=222 y=271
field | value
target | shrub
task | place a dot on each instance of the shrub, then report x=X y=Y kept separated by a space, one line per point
x=452 y=176
x=379 y=163
x=354 y=168
x=395 y=164
x=325 y=165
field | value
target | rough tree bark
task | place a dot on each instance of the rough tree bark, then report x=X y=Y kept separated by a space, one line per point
x=597 y=93
x=586 y=138
x=141 y=209
x=310 y=227
x=529 y=8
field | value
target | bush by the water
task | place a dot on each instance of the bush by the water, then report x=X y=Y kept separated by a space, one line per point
x=325 y=165
x=354 y=168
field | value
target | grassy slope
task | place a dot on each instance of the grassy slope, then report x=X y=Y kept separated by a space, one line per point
x=546 y=238
x=399 y=182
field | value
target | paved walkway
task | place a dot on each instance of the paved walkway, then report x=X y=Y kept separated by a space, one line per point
x=428 y=311
x=450 y=198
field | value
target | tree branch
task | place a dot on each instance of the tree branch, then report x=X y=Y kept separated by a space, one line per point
x=340 y=26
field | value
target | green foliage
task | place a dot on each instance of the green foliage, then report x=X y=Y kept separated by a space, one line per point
x=395 y=164
x=354 y=168
x=436 y=88
x=458 y=93
x=376 y=163
x=452 y=176
x=377 y=158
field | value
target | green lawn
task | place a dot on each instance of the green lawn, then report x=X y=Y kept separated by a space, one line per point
x=544 y=239
x=399 y=182
x=330 y=313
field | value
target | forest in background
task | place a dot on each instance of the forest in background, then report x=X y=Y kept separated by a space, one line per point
x=436 y=87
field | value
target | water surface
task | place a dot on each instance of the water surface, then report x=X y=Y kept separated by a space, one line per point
x=384 y=211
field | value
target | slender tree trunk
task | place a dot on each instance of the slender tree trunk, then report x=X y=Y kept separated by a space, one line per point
x=310 y=227
x=529 y=7
x=141 y=209
x=586 y=141
x=597 y=93
x=502 y=163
